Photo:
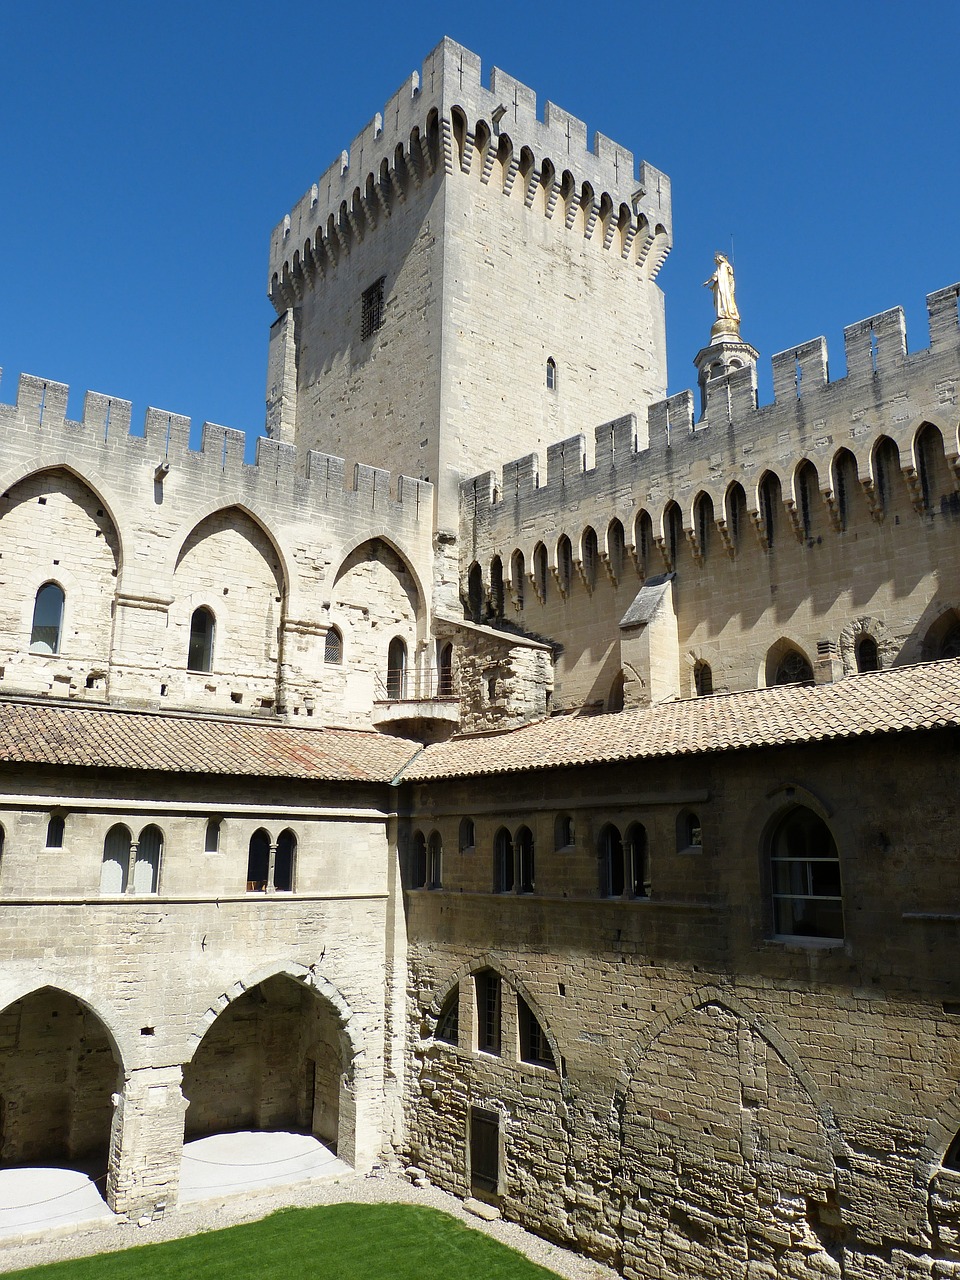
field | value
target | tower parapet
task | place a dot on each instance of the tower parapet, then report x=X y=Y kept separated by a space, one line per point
x=443 y=115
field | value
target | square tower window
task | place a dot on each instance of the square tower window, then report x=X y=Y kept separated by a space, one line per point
x=371 y=309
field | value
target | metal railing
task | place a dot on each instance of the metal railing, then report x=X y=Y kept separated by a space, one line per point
x=421 y=684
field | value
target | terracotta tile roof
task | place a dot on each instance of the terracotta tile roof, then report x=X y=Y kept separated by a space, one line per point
x=902 y=699
x=102 y=738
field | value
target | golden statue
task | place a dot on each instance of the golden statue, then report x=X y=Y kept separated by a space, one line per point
x=724 y=295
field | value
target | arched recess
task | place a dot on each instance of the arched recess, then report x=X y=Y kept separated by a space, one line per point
x=50 y=513
x=230 y=564
x=279 y=1056
x=937 y=1176
x=59 y=1071
x=691 y=1187
x=379 y=598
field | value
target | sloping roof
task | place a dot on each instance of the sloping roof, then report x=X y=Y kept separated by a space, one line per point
x=902 y=699
x=101 y=738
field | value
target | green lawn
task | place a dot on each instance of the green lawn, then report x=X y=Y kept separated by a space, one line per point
x=337 y=1242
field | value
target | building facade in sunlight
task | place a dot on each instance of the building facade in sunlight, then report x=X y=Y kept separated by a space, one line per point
x=516 y=774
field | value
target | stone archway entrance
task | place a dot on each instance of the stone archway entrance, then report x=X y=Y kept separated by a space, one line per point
x=276 y=1059
x=58 y=1074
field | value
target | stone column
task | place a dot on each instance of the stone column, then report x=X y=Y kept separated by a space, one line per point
x=146 y=1142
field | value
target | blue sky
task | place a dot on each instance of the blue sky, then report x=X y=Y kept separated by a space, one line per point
x=146 y=152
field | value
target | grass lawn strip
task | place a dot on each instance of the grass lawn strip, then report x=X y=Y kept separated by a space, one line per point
x=333 y=1242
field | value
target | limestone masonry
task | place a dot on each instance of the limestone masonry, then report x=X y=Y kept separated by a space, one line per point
x=568 y=815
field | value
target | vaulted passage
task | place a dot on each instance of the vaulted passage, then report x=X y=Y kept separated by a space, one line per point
x=275 y=1059
x=58 y=1072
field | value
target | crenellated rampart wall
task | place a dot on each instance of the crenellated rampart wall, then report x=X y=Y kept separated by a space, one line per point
x=647 y=462
x=268 y=549
x=801 y=525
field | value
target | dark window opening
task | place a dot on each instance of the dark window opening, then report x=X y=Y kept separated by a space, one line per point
x=468 y=836
x=637 y=857
x=435 y=861
x=503 y=862
x=397 y=669
x=611 y=863
x=418 y=861
x=211 y=842
x=55 y=832
x=258 y=862
x=793 y=668
x=371 y=309
x=703 y=679
x=445 y=672
x=563 y=836
x=868 y=655
x=551 y=374
x=525 y=862
x=283 y=863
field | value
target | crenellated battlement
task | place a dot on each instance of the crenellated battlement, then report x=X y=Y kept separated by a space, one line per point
x=278 y=478
x=444 y=117
x=645 y=463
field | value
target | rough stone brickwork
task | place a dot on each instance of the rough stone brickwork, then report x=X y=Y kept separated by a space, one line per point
x=724 y=1103
x=676 y=986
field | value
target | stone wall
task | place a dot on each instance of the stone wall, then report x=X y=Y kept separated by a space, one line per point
x=724 y=1101
x=108 y=992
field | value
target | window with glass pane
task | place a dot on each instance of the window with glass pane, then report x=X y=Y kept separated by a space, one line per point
x=805 y=878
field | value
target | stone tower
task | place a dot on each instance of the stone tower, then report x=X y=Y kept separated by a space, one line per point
x=439 y=288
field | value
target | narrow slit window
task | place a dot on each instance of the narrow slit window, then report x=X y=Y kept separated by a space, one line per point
x=333 y=646
x=55 y=831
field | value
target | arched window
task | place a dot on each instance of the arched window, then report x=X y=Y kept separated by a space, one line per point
x=588 y=557
x=445 y=671
x=284 y=862
x=844 y=480
x=524 y=859
x=611 y=862
x=258 y=862
x=868 y=654
x=115 y=868
x=689 y=832
x=643 y=536
x=45 y=633
x=534 y=1045
x=417 y=872
x=551 y=374
x=496 y=587
x=808 y=486
x=615 y=544
x=637 y=860
x=468 y=835
x=770 y=506
x=674 y=530
x=563 y=836
x=805 y=878
x=55 y=828
x=146 y=866
x=886 y=466
x=397 y=668
x=211 y=839
x=704 y=518
x=448 y=1023
x=202 y=629
x=736 y=514
x=517 y=574
x=703 y=679
x=475 y=592
x=793 y=668
x=333 y=646
x=435 y=861
x=502 y=862
x=564 y=563
x=540 y=570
